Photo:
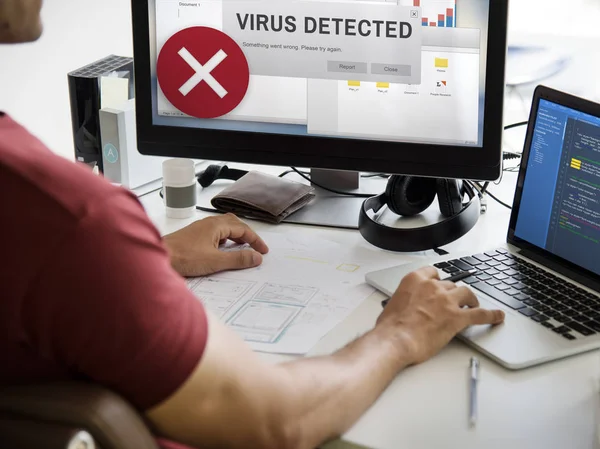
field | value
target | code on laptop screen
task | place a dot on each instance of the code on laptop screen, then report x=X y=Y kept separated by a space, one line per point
x=560 y=204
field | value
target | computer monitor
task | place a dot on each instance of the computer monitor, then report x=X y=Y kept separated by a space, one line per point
x=401 y=87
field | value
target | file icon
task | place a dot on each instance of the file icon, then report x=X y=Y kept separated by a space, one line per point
x=441 y=63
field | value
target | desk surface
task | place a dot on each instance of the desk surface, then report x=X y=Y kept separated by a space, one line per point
x=552 y=406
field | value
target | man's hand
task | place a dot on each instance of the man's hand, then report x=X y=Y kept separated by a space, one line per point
x=425 y=313
x=194 y=250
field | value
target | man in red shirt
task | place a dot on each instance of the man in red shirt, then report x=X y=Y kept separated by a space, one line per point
x=90 y=291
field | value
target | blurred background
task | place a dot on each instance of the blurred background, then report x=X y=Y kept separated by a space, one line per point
x=554 y=42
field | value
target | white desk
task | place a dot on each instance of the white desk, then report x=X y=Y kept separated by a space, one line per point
x=551 y=406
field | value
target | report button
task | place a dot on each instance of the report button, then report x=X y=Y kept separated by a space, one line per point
x=346 y=67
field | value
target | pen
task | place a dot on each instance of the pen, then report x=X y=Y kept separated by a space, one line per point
x=454 y=278
x=460 y=276
x=473 y=391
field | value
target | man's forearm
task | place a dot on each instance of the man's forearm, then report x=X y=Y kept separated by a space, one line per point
x=236 y=400
x=330 y=393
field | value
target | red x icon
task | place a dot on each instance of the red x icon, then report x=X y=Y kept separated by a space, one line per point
x=203 y=72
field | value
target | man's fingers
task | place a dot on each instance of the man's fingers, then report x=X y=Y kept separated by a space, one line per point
x=470 y=301
x=428 y=272
x=233 y=228
x=463 y=296
x=235 y=260
x=448 y=285
x=413 y=279
x=484 y=316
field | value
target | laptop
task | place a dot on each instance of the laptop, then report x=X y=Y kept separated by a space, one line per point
x=546 y=277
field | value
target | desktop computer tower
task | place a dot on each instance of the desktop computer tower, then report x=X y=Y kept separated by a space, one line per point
x=102 y=84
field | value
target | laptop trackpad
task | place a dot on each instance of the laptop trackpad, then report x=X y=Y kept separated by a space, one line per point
x=516 y=343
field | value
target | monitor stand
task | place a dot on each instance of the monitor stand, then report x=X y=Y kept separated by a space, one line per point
x=333 y=210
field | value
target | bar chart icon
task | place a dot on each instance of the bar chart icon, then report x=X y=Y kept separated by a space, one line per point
x=441 y=63
x=576 y=164
x=436 y=13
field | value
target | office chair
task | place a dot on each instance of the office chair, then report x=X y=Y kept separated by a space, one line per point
x=72 y=416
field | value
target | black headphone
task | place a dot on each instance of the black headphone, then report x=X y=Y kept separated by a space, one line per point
x=215 y=171
x=409 y=196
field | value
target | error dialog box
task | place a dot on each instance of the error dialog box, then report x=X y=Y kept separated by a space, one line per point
x=328 y=40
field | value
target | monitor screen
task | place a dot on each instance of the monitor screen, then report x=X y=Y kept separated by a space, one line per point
x=560 y=201
x=409 y=71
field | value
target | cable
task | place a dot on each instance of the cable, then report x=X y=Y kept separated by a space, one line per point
x=476 y=188
x=287 y=172
x=514 y=169
x=483 y=191
x=337 y=192
x=508 y=156
x=499 y=201
x=484 y=188
x=366 y=175
x=376 y=175
x=515 y=125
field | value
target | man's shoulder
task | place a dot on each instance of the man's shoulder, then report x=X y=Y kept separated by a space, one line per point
x=37 y=181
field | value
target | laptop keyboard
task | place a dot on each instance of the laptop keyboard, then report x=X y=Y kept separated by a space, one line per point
x=537 y=294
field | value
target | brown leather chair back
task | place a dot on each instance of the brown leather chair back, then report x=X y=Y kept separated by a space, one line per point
x=70 y=416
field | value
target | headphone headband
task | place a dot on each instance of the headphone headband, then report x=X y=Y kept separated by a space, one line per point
x=421 y=238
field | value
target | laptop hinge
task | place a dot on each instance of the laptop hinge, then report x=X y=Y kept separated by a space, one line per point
x=554 y=266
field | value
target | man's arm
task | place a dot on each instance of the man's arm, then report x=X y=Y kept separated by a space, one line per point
x=107 y=306
x=235 y=400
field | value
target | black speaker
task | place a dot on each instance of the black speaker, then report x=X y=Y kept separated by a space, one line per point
x=85 y=94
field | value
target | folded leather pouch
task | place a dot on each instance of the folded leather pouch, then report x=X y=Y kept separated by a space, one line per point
x=263 y=197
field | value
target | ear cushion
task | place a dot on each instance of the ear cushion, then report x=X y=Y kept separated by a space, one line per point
x=232 y=174
x=410 y=195
x=450 y=196
x=210 y=175
x=216 y=171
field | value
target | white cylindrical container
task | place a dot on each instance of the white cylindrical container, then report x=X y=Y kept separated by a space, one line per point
x=179 y=187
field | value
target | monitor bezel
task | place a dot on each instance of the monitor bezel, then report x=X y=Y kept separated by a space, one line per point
x=557 y=263
x=447 y=161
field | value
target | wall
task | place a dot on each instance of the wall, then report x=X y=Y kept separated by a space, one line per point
x=33 y=77
x=555 y=17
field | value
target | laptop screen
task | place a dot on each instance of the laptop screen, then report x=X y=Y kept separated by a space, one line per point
x=560 y=202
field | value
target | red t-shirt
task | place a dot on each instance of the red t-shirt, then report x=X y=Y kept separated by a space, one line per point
x=86 y=287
